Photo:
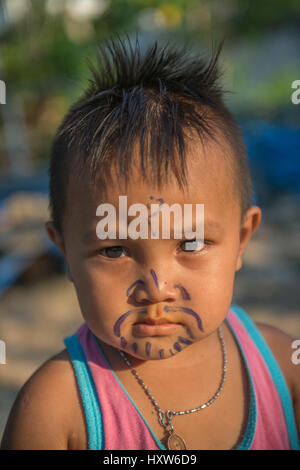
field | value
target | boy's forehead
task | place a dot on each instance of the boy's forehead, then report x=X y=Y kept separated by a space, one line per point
x=209 y=181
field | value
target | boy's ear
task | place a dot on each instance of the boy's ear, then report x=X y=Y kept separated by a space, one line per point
x=250 y=224
x=57 y=238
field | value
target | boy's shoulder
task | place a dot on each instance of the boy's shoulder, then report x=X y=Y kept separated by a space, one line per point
x=47 y=413
x=281 y=345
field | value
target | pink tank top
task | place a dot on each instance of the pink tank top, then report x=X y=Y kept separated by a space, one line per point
x=114 y=422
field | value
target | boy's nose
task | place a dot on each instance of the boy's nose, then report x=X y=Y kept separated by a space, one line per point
x=155 y=288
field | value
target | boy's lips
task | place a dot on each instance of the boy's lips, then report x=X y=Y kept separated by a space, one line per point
x=155 y=321
x=154 y=327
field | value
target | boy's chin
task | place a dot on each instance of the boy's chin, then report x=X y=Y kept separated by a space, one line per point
x=153 y=357
x=155 y=348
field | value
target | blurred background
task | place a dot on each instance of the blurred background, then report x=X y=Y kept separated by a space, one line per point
x=44 y=46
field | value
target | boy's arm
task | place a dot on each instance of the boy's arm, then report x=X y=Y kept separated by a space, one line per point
x=281 y=345
x=40 y=416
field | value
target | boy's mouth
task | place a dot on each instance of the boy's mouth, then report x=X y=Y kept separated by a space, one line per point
x=157 y=321
x=154 y=327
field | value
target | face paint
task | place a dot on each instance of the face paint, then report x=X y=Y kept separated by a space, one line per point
x=190 y=333
x=184 y=340
x=123 y=317
x=185 y=294
x=159 y=199
x=139 y=281
x=154 y=277
x=177 y=347
x=147 y=348
x=186 y=310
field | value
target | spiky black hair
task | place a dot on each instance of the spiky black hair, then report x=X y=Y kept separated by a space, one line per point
x=156 y=99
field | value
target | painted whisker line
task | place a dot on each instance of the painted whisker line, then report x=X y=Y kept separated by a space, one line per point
x=122 y=318
x=154 y=277
x=186 y=310
x=139 y=281
x=184 y=292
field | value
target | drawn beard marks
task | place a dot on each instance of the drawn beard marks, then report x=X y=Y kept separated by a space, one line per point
x=177 y=346
x=148 y=348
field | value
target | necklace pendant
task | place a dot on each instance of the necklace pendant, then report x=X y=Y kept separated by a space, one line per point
x=176 y=442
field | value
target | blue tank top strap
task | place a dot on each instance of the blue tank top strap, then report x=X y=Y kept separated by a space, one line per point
x=275 y=372
x=88 y=393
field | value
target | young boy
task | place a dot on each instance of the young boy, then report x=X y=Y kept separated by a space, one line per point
x=162 y=360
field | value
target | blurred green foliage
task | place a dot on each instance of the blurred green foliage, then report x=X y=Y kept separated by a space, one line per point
x=44 y=45
x=40 y=49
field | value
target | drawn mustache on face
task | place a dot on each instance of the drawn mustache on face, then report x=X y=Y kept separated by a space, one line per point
x=117 y=326
x=123 y=317
x=185 y=310
x=184 y=341
x=177 y=346
x=185 y=296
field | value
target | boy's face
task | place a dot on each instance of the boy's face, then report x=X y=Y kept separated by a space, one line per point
x=157 y=281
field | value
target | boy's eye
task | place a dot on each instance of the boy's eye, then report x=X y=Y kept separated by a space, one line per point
x=192 y=245
x=113 y=251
